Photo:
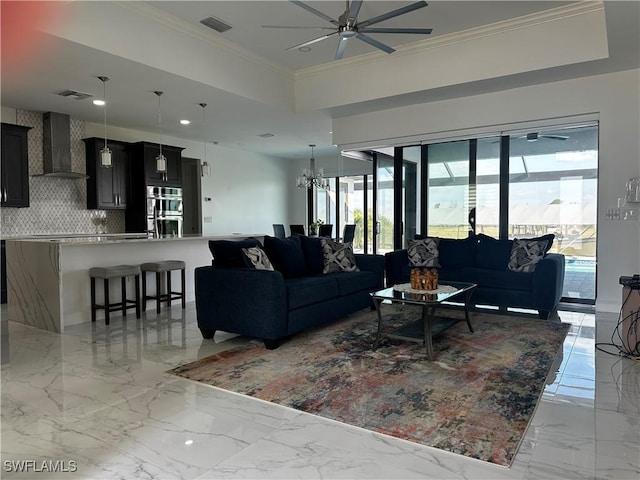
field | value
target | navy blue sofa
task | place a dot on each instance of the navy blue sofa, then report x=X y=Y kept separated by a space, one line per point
x=273 y=305
x=483 y=260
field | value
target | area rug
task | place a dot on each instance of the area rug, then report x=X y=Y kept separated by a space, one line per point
x=475 y=399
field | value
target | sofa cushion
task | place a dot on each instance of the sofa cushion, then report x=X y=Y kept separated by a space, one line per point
x=255 y=257
x=304 y=291
x=313 y=257
x=526 y=253
x=492 y=254
x=505 y=280
x=424 y=252
x=229 y=254
x=455 y=254
x=352 y=282
x=338 y=257
x=286 y=255
x=550 y=237
x=452 y=275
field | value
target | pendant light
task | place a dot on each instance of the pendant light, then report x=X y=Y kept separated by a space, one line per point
x=161 y=160
x=312 y=178
x=105 y=153
x=204 y=167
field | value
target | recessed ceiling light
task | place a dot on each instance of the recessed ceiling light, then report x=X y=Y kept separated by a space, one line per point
x=185 y=122
x=99 y=103
x=304 y=49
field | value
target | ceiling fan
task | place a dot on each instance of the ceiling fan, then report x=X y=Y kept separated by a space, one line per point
x=533 y=136
x=347 y=26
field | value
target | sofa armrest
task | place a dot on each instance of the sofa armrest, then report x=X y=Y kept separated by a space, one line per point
x=548 y=280
x=372 y=263
x=395 y=264
x=244 y=301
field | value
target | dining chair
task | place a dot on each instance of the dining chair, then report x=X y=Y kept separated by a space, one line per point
x=278 y=230
x=349 y=232
x=325 y=230
x=297 y=229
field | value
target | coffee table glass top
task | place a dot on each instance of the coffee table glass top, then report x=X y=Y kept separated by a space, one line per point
x=423 y=298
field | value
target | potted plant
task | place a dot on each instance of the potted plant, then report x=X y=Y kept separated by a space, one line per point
x=313 y=228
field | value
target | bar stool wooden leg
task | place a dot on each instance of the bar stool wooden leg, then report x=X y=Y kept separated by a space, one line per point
x=107 y=308
x=158 y=294
x=123 y=288
x=144 y=291
x=169 y=288
x=137 y=285
x=183 y=282
x=93 y=299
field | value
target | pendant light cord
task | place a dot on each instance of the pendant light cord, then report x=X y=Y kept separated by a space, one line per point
x=159 y=93
x=104 y=81
x=204 y=124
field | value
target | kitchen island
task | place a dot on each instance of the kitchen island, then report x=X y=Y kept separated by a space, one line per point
x=48 y=276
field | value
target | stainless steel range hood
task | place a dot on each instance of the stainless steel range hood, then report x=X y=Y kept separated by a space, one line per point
x=56 y=148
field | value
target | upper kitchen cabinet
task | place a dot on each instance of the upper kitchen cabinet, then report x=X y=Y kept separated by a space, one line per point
x=145 y=153
x=15 y=166
x=107 y=188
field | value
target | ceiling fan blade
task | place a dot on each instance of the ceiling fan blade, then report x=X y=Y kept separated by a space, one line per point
x=311 y=41
x=375 y=43
x=425 y=31
x=355 y=9
x=393 y=13
x=289 y=26
x=342 y=45
x=315 y=12
x=555 y=137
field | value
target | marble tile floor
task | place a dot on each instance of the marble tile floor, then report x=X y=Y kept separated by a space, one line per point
x=97 y=399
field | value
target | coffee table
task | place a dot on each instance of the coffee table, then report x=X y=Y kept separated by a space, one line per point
x=429 y=325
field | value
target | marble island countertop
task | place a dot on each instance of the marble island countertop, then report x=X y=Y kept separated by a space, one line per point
x=92 y=239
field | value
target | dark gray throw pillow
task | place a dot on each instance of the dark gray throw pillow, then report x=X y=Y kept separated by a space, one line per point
x=338 y=257
x=286 y=255
x=525 y=254
x=424 y=252
x=256 y=257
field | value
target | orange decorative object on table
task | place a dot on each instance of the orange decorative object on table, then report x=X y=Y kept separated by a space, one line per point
x=424 y=279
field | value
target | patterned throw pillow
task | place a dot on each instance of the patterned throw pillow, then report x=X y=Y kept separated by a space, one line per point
x=526 y=253
x=338 y=257
x=257 y=258
x=424 y=252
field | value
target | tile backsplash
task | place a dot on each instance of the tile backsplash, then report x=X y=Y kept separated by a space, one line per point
x=57 y=205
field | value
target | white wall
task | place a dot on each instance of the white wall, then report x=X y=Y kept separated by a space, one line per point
x=613 y=98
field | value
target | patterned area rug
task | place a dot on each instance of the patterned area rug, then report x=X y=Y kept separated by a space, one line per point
x=475 y=399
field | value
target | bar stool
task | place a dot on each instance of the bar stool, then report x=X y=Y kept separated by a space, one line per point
x=159 y=267
x=107 y=273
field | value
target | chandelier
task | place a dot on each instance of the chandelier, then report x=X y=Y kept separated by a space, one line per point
x=310 y=179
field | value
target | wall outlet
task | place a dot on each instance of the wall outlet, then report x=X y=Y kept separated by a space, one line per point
x=208 y=220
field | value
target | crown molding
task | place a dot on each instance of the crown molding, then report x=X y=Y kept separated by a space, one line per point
x=550 y=15
x=170 y=21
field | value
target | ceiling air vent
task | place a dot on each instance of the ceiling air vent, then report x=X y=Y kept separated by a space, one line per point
x=266 y=135
x=75 y=94
x=216 y=24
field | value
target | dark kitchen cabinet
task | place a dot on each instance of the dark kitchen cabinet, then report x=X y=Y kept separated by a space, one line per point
x=3 y=273
x=107 y=188
x=148 y=153
x=14 y=190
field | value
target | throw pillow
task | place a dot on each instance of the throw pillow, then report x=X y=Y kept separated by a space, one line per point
x=491 y=253
x=338 y=257
x=286 y=255
x=257 y=258
x=457 y=253
x=313 y=257
x=549 y=238
x=228 y=253
x=424 y=252
x=525 y=254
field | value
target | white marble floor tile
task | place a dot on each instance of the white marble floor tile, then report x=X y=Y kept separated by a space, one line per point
x=101 y=396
